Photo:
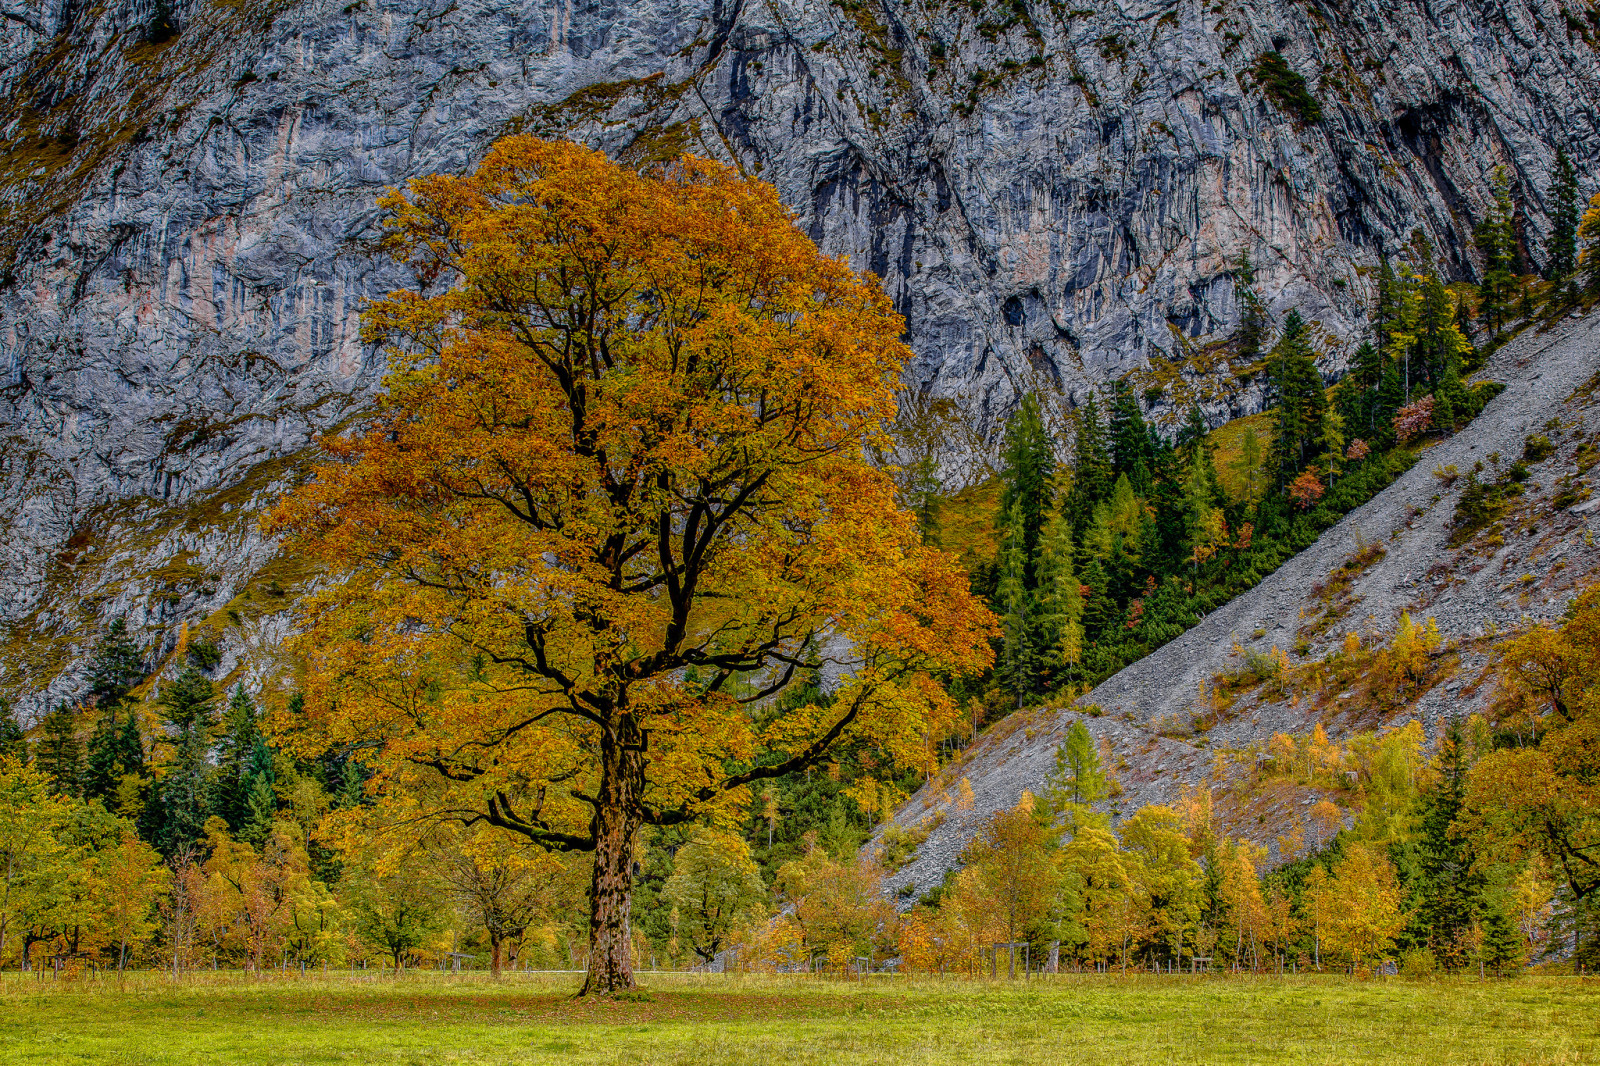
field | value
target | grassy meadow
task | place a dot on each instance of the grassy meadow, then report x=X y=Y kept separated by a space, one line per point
x=712 y=1020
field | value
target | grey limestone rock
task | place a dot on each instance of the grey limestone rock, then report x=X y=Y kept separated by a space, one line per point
x=1052 y=195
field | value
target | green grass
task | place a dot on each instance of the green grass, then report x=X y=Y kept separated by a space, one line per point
x=712 y=1020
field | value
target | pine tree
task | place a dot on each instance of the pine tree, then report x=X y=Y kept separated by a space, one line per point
x=1386 y=310
x=1497 y=242
x=13 y=743
x=181 y=800
x=1299 y=402
x=1562 y=261
x=59 y=752
x=1027 y=472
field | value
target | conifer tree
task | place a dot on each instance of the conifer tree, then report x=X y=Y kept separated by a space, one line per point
x=1450 y=887
x=1060 y=599
x=1562 y=261
x=1438 y=342
x=59 y=752
x=235 y=753
x=1299 y=402
x=1497 y=243
x=1017 y=657
x=260 y=799
x=1079 y=778
x=1028 y=480
x=100 y=777
x=116 y=666
x=1387 y=309
x=1253 y=319
x=1091 y=465
x=181 y=801
x=1192 y=432
x=1131 y=452
x=1248 y=465
x=13 y=743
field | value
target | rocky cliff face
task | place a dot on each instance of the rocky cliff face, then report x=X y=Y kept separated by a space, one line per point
x=1051 y=194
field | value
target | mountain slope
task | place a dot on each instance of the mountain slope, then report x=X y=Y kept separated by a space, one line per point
x=1160 y=717
x=1051 y=195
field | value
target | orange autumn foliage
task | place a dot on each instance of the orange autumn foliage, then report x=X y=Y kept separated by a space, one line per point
x=613 y=495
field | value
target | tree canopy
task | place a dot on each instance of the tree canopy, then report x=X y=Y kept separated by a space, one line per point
x=613 y=497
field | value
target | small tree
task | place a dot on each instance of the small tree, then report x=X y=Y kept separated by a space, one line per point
x=1497 y=243
x=59 y=752
x=395 y=910
x=1078 y=778
x=715 y=890
x=505 y=886
x=1562 y=258
x=135 y=878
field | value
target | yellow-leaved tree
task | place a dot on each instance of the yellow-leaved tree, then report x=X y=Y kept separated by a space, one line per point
x=613 y=497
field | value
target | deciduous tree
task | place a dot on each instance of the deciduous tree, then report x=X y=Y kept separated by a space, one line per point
x=621 y=437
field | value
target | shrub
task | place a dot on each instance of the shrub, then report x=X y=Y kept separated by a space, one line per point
x=1418 y=962
x=1537 y=449
x=1286 y=88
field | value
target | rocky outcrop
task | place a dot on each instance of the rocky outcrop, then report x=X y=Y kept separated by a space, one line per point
x=1525 y=568
x=1053 y=195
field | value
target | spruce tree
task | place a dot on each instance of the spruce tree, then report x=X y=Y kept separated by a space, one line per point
x=1131 y=453
x=1017 y=653
x=13 y=743
x=1192 y=433
x=1497 y=242
x=181 y=800
x=260 y=799
x=1091 y=467
x=235 y=751
x=116 y=666
x=1027 y=474
x=59 y=753
x=1451 y=889
x=1060 y=600
x=1438 y=342
x=1253 y=320
x=1562 y=261
x=1299 y=401
x=101 y=777
x=1386 y=309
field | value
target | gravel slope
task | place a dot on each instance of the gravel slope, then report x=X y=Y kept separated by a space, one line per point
x=1467 y=591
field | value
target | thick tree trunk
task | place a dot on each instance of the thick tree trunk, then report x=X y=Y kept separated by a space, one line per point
x=616 y=823
x=494 y=957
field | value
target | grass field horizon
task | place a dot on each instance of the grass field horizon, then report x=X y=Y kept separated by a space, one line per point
x=711 y=1019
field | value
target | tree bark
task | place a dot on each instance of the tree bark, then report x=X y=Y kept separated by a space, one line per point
x=494 y=957
x=617 y=819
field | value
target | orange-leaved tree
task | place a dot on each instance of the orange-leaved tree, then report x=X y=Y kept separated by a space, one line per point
x=613 y=499
x=1540 y=793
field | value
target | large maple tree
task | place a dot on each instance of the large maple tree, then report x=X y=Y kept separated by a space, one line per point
x=612 y=501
